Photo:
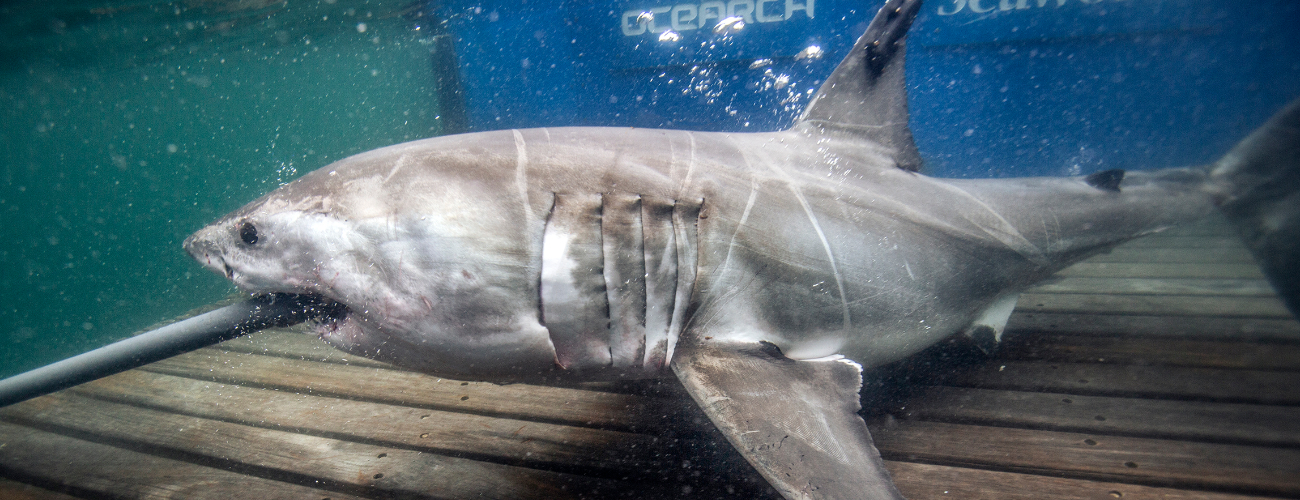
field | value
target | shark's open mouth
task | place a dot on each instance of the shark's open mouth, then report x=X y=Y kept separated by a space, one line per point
x=330 y=311
x=332 y=320
x=303 y=307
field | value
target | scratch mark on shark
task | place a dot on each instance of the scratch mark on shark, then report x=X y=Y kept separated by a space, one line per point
x=812 y=217
x=401 y=162
x=821 y=235
x=1052 y=239
x=521 y=171
x=690 y=167
x=1002 y=230
x=744 y=216
x=1056 y=231
x=826 y=244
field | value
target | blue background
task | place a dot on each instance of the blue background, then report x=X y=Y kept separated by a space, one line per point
x=1068 y=88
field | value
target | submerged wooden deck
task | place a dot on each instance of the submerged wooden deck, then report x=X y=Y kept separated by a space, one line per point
x=1165 y=369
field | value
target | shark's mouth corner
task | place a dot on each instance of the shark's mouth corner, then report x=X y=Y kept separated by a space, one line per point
x=330 y=311
x=303 y=307
x=332 y=321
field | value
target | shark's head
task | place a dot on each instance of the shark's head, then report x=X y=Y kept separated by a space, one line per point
x=418 y=265
x=262 y=250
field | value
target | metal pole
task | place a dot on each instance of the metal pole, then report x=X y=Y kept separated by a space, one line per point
x=260 y=312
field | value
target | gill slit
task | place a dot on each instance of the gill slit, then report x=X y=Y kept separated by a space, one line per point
x=537 y=281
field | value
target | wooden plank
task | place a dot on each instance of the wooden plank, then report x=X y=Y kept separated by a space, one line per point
x=1259 y=307
x=520 y=401
x=1259 y=425
x=1213 y=225
x=935 y=482
x=1157 y=286
x=296 y=343
x=347 y=466
x=1022 y=346
x=1176 y=241
x=1156 y=462
x=477 y=437
x=1237 y=254
x=1158 y=382
x=1155 y=325
x=14 y=490
x=88 y=469
x=1227 y=270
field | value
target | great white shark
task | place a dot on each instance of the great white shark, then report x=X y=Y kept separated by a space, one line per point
x=764 y=270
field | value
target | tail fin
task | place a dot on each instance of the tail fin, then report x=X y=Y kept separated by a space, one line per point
x=1259 y=190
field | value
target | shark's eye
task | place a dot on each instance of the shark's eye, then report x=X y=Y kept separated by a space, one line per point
x=248 y=233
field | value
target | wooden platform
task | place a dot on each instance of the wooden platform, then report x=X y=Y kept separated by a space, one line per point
x=1165 y=369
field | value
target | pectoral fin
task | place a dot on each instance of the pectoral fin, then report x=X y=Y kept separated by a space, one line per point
x=794 y=421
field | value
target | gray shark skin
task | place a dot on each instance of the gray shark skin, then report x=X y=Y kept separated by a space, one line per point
x=764 y=270
x=439 y=242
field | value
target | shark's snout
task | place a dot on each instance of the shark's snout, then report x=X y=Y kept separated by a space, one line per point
x=207 y=252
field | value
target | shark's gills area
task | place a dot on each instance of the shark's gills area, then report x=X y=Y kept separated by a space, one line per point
x=617 y=275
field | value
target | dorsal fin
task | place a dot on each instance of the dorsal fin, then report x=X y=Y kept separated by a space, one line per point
x=866 y=95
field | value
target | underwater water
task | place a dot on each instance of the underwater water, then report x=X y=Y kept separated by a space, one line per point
x=125 y=126
x=996 y=89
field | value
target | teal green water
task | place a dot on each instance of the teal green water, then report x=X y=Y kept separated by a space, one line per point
x=125 y=128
